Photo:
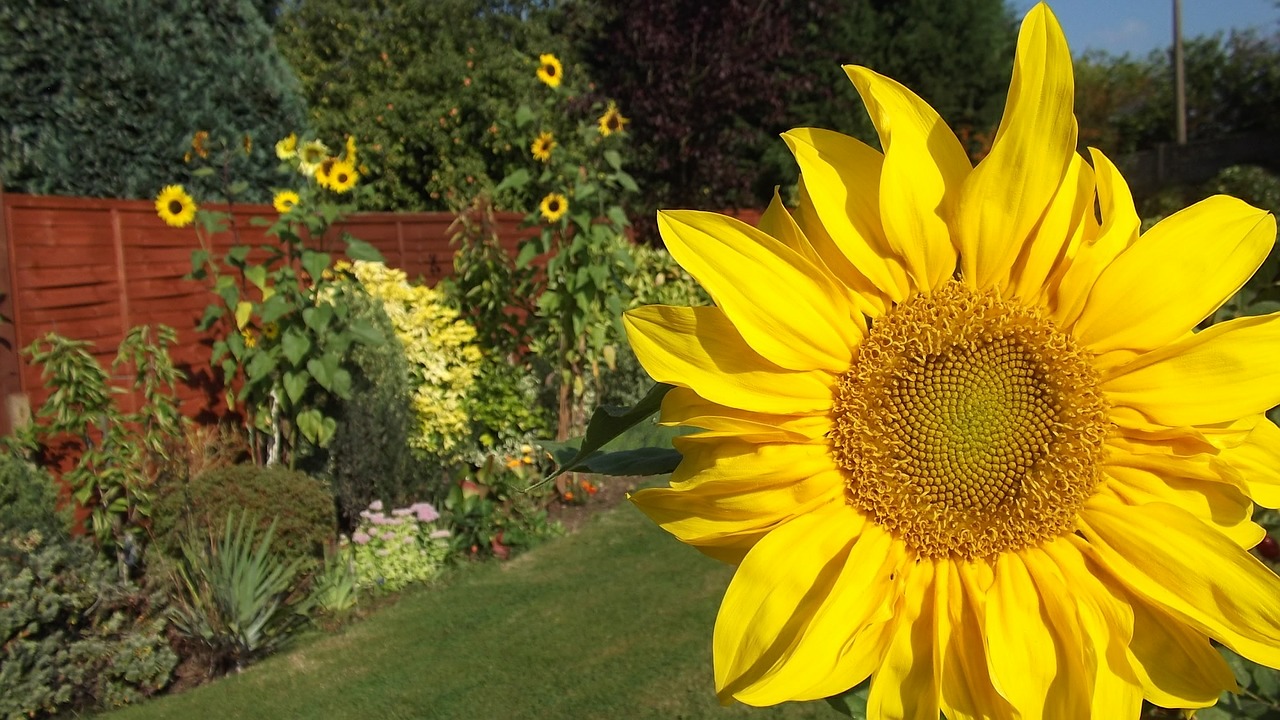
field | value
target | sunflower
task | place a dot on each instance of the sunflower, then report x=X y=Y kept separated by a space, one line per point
x=340 y=176
x=549 y=69
x=284 y=201
x=554 y=206
x=543 y=146
x=612 y=121
x=310 y=156
x=199 y=143
x=959 y=433
x=287 y=147
x=175 y=206
x=351 y=154
x=270 y=331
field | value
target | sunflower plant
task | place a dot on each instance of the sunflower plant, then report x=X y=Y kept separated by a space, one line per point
x=956 y=428
x=574 y=172
x=282 y=340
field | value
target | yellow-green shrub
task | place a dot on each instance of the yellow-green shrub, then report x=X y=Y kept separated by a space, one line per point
x=438 y=344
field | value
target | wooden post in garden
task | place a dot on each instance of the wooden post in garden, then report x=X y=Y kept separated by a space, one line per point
x=1179 y=75
x=14 y=408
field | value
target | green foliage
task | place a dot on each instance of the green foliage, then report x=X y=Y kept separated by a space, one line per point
x=498 y=509
x=120 y=455
x=73 y=635
x=1232 y=83
x=333 y=587
x=102 y=98
x=391 y=551
x=302 y=506
x=283 y=342
x=28 y=501
x=504 y=408
x=370 y=458
x=426 y=85
x=235 y=598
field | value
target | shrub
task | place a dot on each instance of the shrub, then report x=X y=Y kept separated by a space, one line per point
x=28 y=498
x=390 y=551
x=303 y=509
x=500 y=509
x=73 y=635
x=504 y=408
x=235 y=598
x=370 y=458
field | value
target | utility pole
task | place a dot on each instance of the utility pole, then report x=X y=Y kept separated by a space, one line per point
x=1179 y=75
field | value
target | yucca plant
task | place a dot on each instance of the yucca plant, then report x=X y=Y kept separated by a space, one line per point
x=235 y=597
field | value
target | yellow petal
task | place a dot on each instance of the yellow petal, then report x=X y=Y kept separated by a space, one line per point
x=1175 y=275
x=1138 y=480
x=682 y=406
x=1224 y=373
x=1106 y=628
x=728 y=493
x=906 y=685
x=1258 y=462
x=1176 y=665
x=866 y=296
x=842 y=177
x=967 y=692
x=785 y=308
x=1120 y=225
x=1008 y=193
x=1063 y=227
x=783 y=584
x=700 y=349
x=1166 y=556
x=1032 y=654
x=924 y=168
x=789 y=654
x=779 y=223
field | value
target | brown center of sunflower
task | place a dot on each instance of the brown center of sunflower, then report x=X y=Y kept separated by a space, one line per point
x=549 y=69
x=175 y=207
x=969 y=426
x=553 y=206
x=342 y=178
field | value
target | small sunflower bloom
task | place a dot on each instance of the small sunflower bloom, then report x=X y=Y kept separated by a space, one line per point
x=199 y=143
x=310 y=156
x=175 y=207
x=270 y=331
x=250 y=338
x=958 y=431
x=287 y=147
x=542 y=147
x=549 y=69
x=612 y=121
x=285 y=200
x=553 y=207
x=340 y=176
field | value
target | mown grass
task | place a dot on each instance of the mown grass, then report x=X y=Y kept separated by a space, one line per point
x=611 y=622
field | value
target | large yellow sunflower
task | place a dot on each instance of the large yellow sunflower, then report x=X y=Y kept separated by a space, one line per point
x=284 y=201
x=542 y=147
x=549 y=69
x=554 y=206
x=310 y=156
x=175 y=207
x=959 y=432
x=337 y=175
x=287 y=147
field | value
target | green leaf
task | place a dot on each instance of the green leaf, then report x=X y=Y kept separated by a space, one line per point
x=642 y=461
x=358 y=249
x=257 y=275
x=238 y=187
x=613 y=158
x=627 y=182
x=524 y=115
x=325 y=370
x=342 y=384
x=316 y=427
x=365 y=332
x=295 y=345
x=853 y=702
x=198 y=260
x=202 y=172
x=618 y=217
x=315 y=263
x=514 y=181
x=608 y=423
x=244 y=310
x=237 y=255
x=211 y=315
x=528 y=251
x=260 y=366
x=295 y=385
x=585 y=190
x=317 y=318
x=273 y=308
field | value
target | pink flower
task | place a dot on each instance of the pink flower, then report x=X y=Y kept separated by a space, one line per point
x=388 y=535
x=425 y=512
x=376 y=506
x=360 y=538
x=401 y=512
x=438 y=534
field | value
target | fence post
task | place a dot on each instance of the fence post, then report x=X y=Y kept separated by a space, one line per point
x=15 y=411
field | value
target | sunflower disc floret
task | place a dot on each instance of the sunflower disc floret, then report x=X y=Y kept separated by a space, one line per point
x=969 y=426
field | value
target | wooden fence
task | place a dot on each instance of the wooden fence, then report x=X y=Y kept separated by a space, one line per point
x=91 y=269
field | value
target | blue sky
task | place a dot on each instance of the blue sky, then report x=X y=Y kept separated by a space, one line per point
x=1139 y=26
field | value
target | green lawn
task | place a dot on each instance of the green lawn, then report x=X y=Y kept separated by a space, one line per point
x=611 y=622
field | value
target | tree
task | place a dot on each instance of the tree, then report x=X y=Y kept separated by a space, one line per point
x=102 y=99
x=425 y=85
x=710 y=85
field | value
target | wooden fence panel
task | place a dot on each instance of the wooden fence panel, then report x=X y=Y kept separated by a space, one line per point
x=90 y=269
